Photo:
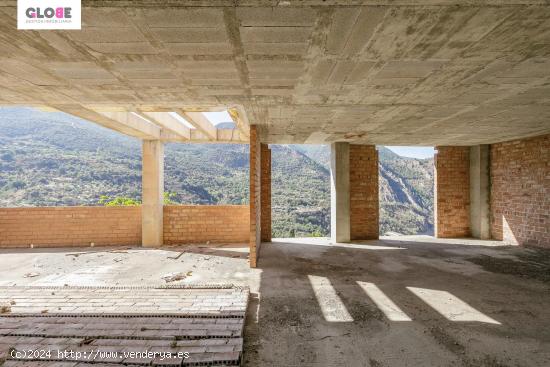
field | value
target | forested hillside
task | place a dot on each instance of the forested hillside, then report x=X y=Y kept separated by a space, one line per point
x=405 y=186
x=54 y=159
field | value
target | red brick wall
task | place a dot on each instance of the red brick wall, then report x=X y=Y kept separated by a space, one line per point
x=363 y=181
x=452 y=192
x=201 y=223
x=70 y=226
x=104 y=226
x=520 y=191
x=266 y=193
x=255 y=195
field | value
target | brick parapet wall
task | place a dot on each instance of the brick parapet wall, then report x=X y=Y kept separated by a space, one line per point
x=266 y=193
x=364 y=198
x=120 y=225
x=520 y=191
x=70 y=226
x=452 y=192
x=185 y=224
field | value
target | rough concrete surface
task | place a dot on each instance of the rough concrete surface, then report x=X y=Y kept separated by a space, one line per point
x=470 y=303
x=292 y=330
x=431 y=72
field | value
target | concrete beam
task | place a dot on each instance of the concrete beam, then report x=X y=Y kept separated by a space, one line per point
x=200 y=122
x=339 y=192
x=226 y=136
x=152 y=179
x=132 y=128
x=480 y=192
x=134 y=121
x=241 y=121
x=168 y=122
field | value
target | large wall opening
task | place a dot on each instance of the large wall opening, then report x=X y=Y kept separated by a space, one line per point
x=301 y=190
x=55 y=159
x=406 y=189
x=300 y=186
x=206 y=174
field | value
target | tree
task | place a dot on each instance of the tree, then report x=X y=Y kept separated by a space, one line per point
x=118 y=201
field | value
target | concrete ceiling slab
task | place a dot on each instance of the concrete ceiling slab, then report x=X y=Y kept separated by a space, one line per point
x=421 y=72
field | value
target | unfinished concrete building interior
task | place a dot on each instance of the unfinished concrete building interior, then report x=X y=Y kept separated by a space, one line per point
x=471 y=79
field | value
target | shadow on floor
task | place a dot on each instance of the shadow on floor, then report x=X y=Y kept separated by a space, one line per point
x=395 y=303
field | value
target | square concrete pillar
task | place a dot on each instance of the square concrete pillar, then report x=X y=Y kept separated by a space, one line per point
x=152 y=178
x=339 y=192
x=479 y=192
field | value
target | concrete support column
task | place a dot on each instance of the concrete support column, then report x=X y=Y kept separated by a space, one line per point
x=266 y=192
x=479 y=192
x=339 y=192
x=255 y=196
x=152 y=178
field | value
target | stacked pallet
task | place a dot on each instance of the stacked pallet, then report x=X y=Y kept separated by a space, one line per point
x=80 y=326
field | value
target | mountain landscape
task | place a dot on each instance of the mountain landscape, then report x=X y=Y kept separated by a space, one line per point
x=53 y=159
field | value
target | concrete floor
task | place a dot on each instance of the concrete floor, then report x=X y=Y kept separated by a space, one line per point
x=399 y=301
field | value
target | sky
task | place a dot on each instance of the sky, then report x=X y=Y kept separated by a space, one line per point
x=218 y=117
x=414 y=152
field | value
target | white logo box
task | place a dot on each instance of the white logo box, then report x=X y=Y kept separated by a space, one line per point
x=49 y=14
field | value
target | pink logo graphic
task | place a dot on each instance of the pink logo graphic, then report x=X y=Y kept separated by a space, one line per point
x=59 y=13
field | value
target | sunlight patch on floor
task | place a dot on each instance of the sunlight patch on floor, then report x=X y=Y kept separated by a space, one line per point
x=386 y=305
x=331 y=305
x=450 y=306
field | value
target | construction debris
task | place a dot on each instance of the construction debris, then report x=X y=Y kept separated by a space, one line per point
x=174 y=277
x=176 y=257
x=5 y=308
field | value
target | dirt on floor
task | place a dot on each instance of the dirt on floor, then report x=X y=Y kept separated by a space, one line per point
x=461 y=303
x=509 y=323
x=531 y=263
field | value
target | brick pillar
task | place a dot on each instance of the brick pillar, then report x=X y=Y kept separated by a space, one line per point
x=266 y=193
x=363 y=182
x=452 y=192
x=255 y=195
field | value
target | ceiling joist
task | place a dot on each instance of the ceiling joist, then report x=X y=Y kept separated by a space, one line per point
x=241 y=122
x=136 y=122
x=200 y=122
x=168 y=122
x=118 y=121
x=162 y=125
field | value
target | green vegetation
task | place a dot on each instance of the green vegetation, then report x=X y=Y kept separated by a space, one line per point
x=168 y=196
x=125 y=201
x=51 y=159
x=119 y=201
